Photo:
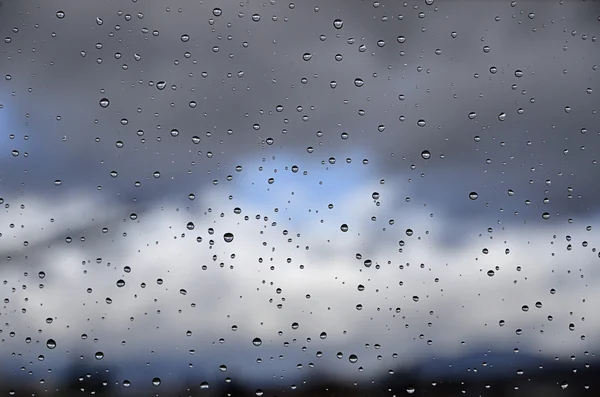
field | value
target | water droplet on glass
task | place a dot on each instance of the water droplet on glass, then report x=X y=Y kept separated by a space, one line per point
x=256 y=341
x=425 y=154
x=323 y=335
x=338 y=23
x=421 y=123
x=120 y=283
x=307 y=56
x=50 y=344
x=99 y=355
x=502 y=116
x=104 y=102
x=353 y=358
x=60 y=14
x=344 y=228
x=217 y=12
x=518 y=73
x=174 y=132
x=546 y=215
x=358 y=82
x=190 y=226
x=228 y=237
x=472 y=115
x=156 y=382
x=256 y=17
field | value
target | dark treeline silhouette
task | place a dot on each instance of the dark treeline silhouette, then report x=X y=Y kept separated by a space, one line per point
x=548 y=379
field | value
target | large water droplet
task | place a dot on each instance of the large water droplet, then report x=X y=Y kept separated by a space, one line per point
x=156 y=382
x=338 y=23
x=228 y=237
x=256 y=341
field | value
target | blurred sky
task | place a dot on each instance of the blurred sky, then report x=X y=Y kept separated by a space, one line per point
x=386 y=125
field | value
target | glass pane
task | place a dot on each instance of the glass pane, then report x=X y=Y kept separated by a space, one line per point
x=322 y=198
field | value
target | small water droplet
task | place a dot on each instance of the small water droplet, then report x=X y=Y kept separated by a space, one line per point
x=99 y=355
x=353 y=358
x=425 y=155
x=256 y=341
x=359 y=82
x=228 y=237
x=104 y=102
x=473 y=195
x=502 y=116
x=338 y=23
x=217 y=12
x=120 y=283
x=156 y=382
x=344 y=228
x=50 y=343
x=60 y=14
x=546 y=215
x=421 y=123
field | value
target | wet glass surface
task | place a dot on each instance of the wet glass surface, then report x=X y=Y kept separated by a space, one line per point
x=204 y=198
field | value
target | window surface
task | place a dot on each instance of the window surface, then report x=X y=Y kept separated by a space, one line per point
x=274 y=198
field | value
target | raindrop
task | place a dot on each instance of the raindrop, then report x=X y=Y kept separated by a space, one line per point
x=256 y=17
x=338 y=24
x=473 y=195
x=217 y=12
x=156 y=382
x=421 y=123
x=99 y=355
x=190 y=226
x=472 y=115
x=358 y=82
x=518 y=73
x=425 y=155
x=307 y=56
x=502 y=116
x=174 y=132
x=50 y=344
x=344 y=228
x=256 y=342
x=546 y=215
x=104 y=102
x=60 y=14
x=120 y=283
x=353 y=358
x=228 y=237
